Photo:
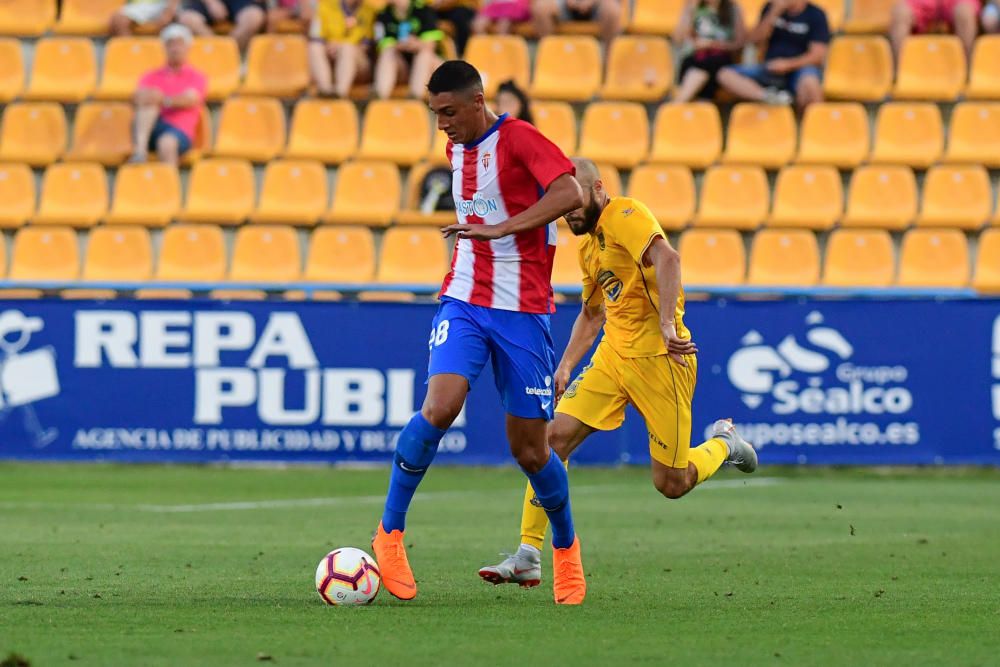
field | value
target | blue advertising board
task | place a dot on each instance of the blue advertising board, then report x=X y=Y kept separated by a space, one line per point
x=808 y=381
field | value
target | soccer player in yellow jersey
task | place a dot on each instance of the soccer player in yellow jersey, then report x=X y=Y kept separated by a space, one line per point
x=631 y=289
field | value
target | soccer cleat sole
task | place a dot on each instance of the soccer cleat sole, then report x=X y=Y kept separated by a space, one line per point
x=496 y=579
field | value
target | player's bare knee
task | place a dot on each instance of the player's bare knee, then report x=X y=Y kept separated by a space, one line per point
x=531 y=459
x=670 y=487
x=440 y=413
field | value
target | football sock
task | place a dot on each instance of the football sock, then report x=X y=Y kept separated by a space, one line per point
x=415 y=449
x=534 y=522
x=551 y=485
x=708 y=457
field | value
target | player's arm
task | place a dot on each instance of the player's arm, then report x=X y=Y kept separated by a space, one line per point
x=586 y=328
x=666 y=262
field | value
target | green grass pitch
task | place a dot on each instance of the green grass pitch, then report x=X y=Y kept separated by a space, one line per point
x=823 y=567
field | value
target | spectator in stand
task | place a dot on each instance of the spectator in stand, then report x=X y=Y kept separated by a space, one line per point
x=798 y=37
x=281 y=11
x=990 y=17
x=407 y=38
x=168 y=102
x=339 y=41
x=909 y=16
x=711 y=33
x=499 y=16
x=514 y=102
x=247 y=16
x=460 y=14
x=607 y=13
x=157 y=14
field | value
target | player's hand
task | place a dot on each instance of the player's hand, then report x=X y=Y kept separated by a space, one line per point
x=779 y=66
x=677 y=347
x=474 y=232
x=561 y=382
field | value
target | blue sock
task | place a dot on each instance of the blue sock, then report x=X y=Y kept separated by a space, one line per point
x=415 y=450
x=551 y=485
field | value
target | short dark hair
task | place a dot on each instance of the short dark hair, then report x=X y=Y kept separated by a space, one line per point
x=455 y=76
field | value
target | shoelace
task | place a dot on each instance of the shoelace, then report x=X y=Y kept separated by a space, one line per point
x=566 y=568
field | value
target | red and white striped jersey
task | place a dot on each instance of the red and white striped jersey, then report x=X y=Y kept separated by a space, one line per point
x=494 y=178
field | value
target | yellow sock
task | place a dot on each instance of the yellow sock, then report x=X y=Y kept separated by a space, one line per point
x=534 y=522
x=708 y=457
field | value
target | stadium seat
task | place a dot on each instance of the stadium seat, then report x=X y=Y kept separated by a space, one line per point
x=733 y=197
x=252 y=128
x=567 y=68
x=984 y=74
x=987 y=274
x=688 y=134
x=17 y=192
x=499 y=58
x=45 y=253
x=102 y=132
x=86 y=17
x=145 y=194
x=439 y=149
x=655 y=17
x=869 y=16
x=834 y=10
x=834 y=133
x=557 y=121
x=760 y=134
x=220 y=191
x=324 y=130
x=340 y=254
x=276 y=65
x=908 y=133
x=566 y=272
x=931 y=67
x=11 y=69
x=381 y=138
x=933 y=258
x=118 y=254
x=807 y=196
x=881 y=197
x=126 y=60
x=411 y=213
x=294 y=192
x=859 y=258
x=956 y=196
x=32 y=132
x=668 y=191
x=64 y=70
x=640 y=69
x=712 y=257
x=611 y=178
x=218 y=58
x=974 y=134
x=366 y=193
x=616 y=133
x=74 y=194
x=266 y=254
x=858 y=68
x=785 y=258
x=192 y=253
x=412 y=255
x=29 y=18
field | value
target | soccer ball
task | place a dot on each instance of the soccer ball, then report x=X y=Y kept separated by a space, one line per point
x=347 y=576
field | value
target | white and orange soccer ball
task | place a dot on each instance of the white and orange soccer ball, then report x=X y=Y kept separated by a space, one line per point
x=347 y=576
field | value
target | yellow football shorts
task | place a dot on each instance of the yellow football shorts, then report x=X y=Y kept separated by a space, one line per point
x=659 y=388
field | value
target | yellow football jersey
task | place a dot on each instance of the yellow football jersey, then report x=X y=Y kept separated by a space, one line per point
x=611 y=259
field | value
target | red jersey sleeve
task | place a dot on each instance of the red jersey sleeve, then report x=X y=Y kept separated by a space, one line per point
x=541 y=157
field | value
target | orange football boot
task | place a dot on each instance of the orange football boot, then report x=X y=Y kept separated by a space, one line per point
x=568 y=581
x=390 y=554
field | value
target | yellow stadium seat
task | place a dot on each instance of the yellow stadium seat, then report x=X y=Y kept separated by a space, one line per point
x=74 y=194
x=785 y=258
x=26 y=18
x=987 y=274
x=33 y=132
x=220 y=191
x=366 y=193
x=834 y=10
x=3 y=267
x=557 y=121
x=566 y=265
x=45 y=253
x=252 y=128
x=324 y=130
x=974 y=134
x=277 y=65
x=858 y=68
x=86 y=17
x=339 y=254
x=381 y=138
x=869 y=16
x=294 y=192
x=119 y=254
x=412 y=255
x=908 y=133
x=859 y=258
x=688 y=134
x=668 y=191
x=640 y=69
x=145 y=194
x=984 y=75
x=218 y=58
x=192 y=253
x=64 y=70
x=411 y=214
x=881 y=197
x=735 y=197
x=655 y=17
x=11 y=69
x=567 y=68
x=933 y=258
x=266 y=254
x=956 y=196
x=439 y=149
x=17 y=192
x=102 y=132
x=499 y=58
x=611 y=178
x=931 y=67
x=126 y=60
x=807 y=196
x=760 y=134
x=616 y=133
x=712 y=257
x=834 y=133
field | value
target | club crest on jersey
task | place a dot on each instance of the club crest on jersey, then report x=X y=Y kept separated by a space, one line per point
x=600 y=238
x=611 y=284
x=627 y=212
x=487 y=156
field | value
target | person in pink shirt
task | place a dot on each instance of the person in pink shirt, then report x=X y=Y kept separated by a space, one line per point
x=169 y=101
